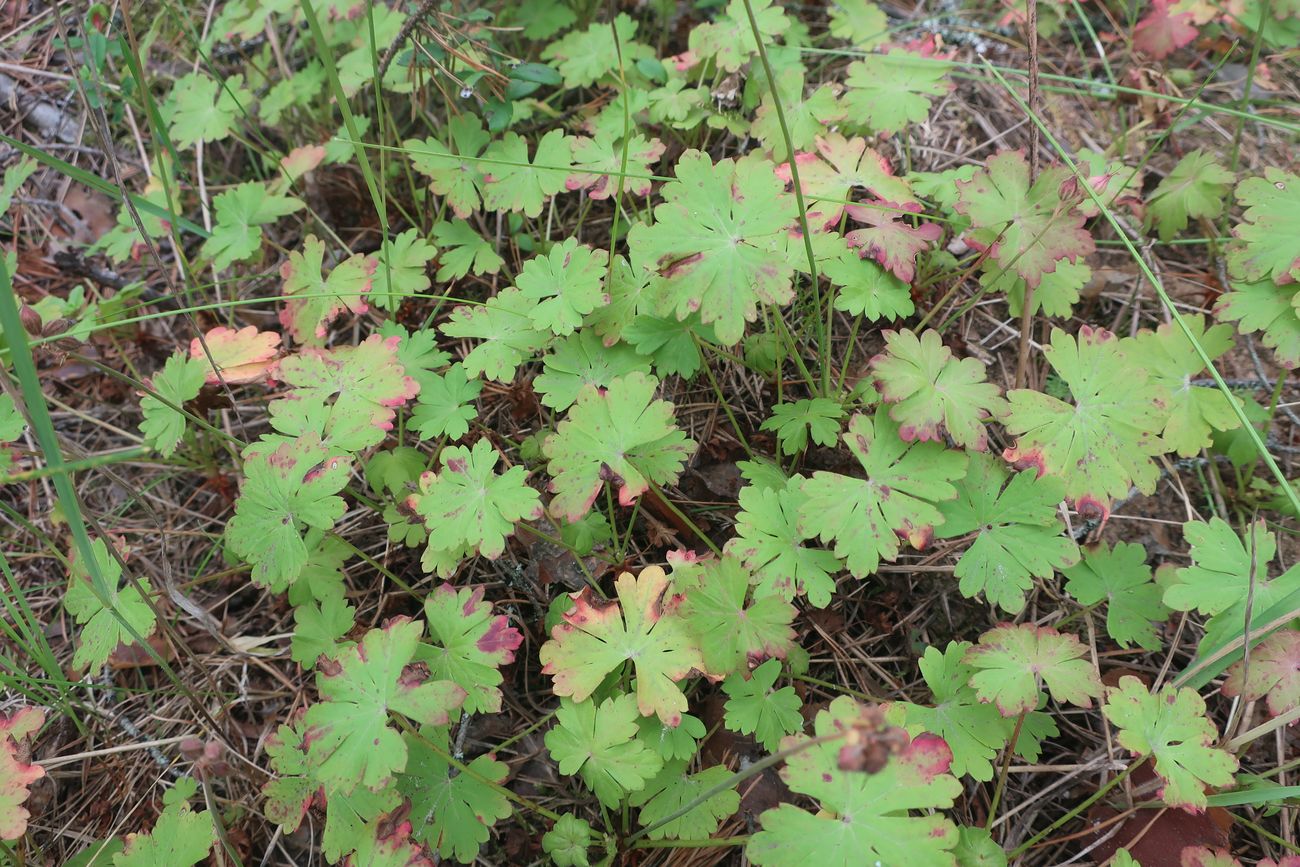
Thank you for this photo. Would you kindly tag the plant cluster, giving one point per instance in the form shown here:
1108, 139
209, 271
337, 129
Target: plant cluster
575, 248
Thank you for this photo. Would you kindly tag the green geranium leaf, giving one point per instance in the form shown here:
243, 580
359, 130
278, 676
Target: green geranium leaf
1012, 663
600, 743
1020, 533
105, 623
1171, 727
930, 391
715, 246
351, 741
755, 707
730, 629
864, 517
770, 543
1121, 578
620, 434
180, 380
456, 808
863, 817
1195, 412
446, 404
317, 629
238, 217
793, 422
1195, 189
672, 789
470, 505
286, 490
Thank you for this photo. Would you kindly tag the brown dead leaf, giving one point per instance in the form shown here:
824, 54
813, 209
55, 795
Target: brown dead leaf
1163, 842
91, 214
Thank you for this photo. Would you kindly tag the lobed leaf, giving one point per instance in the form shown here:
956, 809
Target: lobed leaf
1022, 226
313, 300
1020, 534
620, 434
928, 388
1272, 672
865, 517
1013, 662
16, 772
349, 740
1102, 443
107, 622
714, 247
644, 627
863, 817
1171, 727
1120, 577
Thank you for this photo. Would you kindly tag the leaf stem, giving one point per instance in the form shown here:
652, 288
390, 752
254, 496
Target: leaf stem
1088, 802
798, 196
1265, 10
734, 780
465, 769
1002, 773
672, 507
710, 843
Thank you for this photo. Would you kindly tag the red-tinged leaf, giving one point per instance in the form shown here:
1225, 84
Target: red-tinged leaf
867, 517
892, 240
1163, 31
1171, 727
301, 160
601, 170
831, 177
1273, 671
1024, 227
888, 817
930, 391
350, 741
245, 355
288, 490
1102, 443
468, 644
1204, 856
1014, 662
347, 395
17, 774
314, 300
389, 845
620, 434
643, 627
